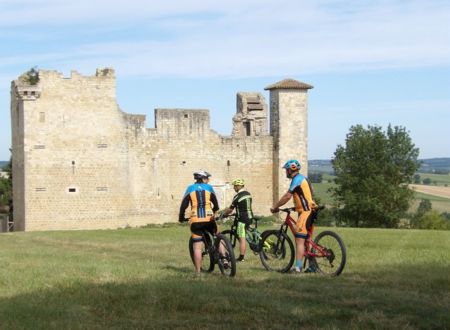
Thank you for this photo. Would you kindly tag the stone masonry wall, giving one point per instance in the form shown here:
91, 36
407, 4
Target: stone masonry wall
82, 163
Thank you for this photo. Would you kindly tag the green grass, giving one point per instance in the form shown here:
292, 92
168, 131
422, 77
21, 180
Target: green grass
143, 279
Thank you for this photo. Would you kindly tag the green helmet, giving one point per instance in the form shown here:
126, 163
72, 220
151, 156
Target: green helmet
238, 182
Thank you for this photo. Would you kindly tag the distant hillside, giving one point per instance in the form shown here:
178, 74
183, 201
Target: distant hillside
320, 166
3, 163
431, 165
435, 165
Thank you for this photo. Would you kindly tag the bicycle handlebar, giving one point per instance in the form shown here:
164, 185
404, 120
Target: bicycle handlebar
290, 209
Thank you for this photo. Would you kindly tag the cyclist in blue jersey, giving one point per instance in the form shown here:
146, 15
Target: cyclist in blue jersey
203, 201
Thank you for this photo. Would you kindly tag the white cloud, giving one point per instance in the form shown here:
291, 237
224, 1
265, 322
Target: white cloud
230, 39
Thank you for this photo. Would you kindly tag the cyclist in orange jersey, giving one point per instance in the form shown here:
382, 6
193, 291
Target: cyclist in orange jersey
301, 191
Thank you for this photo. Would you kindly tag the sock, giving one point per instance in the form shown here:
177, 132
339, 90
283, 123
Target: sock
298, 265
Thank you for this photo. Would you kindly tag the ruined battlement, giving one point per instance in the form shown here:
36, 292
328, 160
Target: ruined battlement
80, 162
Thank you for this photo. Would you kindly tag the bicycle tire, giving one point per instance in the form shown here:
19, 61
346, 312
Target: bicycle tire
231, 235
336, 254
227, 260
278, 259
207, 264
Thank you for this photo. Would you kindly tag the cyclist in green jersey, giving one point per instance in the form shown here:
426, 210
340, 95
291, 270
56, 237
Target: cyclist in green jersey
242, 203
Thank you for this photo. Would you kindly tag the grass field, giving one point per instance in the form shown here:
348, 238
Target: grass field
143, 279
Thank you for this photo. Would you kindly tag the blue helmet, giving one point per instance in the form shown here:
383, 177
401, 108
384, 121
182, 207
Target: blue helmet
292, 164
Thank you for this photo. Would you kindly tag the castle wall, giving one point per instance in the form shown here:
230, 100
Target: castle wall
79, 162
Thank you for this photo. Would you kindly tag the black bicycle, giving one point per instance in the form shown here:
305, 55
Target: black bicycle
216, 249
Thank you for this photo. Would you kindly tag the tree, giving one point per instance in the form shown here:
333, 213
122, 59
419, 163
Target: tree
6, 187
315, 177
424, 207
427, 181
417, 179
372, 171
432, 220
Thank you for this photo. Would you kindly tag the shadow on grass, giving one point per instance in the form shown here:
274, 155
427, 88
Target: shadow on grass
178, 299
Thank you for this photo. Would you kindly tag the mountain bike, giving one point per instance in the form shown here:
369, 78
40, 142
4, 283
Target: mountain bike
326, 254
252, 235
216, 249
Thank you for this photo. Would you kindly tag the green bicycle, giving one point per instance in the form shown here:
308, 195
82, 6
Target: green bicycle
252, 236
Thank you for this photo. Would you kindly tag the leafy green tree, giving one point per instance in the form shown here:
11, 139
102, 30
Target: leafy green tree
427, 181
373, 170
315, 177
417, 179
424, 207
6, 187
432, 220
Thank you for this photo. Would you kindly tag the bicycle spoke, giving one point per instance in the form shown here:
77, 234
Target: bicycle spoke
226, 259
330, 254
277, 252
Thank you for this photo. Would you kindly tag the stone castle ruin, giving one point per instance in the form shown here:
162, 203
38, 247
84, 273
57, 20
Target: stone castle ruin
80, 162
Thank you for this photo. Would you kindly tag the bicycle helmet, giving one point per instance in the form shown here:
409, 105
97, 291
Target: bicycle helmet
238, 182
200, 174
292, 164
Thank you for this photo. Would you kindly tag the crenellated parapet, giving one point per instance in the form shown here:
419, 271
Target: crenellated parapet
28, 92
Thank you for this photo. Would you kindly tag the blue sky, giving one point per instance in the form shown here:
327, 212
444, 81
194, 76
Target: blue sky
370, 62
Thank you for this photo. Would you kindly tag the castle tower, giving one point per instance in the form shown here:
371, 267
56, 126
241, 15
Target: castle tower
289, 129
251, 115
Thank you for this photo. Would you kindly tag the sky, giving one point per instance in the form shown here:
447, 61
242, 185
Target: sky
371, 62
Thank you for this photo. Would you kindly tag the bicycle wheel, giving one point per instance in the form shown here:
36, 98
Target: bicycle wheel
207, 264
226, 259
277, 251
330, 255
234, 240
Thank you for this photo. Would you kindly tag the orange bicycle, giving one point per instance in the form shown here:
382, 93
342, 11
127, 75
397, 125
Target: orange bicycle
326, 254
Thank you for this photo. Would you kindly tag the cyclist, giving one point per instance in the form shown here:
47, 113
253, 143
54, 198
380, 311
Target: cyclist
203, 201
300, 189
242, 202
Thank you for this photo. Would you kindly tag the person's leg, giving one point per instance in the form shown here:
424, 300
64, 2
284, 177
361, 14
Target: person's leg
197, 256
300, 237
300, 251
196, 234
242, 241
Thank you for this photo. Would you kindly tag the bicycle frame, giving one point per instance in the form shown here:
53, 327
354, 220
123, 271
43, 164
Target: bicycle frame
309, 243
254, 246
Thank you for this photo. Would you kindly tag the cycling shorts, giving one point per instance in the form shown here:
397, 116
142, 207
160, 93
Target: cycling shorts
241, 229
304, 222
197, 229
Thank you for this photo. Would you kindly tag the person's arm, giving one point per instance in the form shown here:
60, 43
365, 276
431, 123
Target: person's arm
184, 205
215, 202
283, 200
227, 211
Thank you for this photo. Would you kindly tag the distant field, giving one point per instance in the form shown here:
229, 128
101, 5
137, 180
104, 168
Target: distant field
438, 179
142, 279
439, 203
439, 191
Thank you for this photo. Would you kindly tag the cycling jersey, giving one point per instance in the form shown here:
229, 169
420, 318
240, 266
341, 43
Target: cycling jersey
242, 202
301, 190
200, 196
